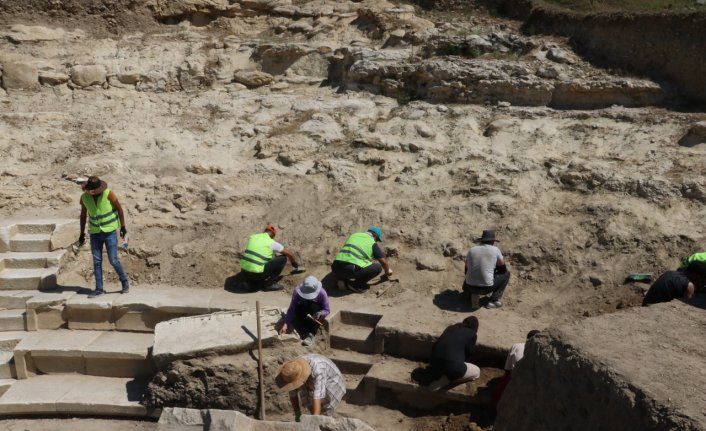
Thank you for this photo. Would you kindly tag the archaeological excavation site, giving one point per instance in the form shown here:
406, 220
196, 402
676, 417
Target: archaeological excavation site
243, 160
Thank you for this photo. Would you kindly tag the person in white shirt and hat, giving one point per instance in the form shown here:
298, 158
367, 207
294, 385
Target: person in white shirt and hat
307, 310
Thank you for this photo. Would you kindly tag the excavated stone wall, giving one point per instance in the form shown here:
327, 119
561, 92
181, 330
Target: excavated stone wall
636, 370
662, 46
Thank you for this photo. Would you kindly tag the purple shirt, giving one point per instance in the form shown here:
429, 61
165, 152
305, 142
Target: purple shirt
297, 301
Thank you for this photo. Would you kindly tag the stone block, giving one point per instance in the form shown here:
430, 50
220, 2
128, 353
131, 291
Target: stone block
225, 333
20, 76
48, 77
64, 235
182, 416
85, 76
91, 313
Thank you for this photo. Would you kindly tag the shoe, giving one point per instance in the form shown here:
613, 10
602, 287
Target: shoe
96, 293
341, 284
273, 287
438, 384
309, 340
494, 304
125, 289
354, 288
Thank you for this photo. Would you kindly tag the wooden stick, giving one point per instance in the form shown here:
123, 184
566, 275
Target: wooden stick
259, 363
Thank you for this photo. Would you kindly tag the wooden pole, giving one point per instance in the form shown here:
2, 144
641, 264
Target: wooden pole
259, 363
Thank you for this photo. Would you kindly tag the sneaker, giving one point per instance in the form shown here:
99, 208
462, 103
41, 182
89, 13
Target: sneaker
494, 304
125, 289
438, 384
354, 288
273, 287
341, 284
309, 341
95, 293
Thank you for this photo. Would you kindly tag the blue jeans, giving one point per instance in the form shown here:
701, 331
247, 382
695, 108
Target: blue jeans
111, 245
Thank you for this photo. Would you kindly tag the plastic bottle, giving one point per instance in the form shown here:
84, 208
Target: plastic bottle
126, 242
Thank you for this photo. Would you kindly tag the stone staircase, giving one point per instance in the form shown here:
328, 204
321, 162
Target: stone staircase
374, 376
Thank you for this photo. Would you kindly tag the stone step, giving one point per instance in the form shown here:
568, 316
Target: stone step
7, 365
12, 320
75, 395
31, 242
353, 337
36, 278
5, 384
96, 353
15, 298
354, 366
20, 260
31, 228
394, 388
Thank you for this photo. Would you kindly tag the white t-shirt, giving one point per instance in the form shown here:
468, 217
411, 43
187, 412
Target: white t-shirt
276, 247
517, 351
481, 262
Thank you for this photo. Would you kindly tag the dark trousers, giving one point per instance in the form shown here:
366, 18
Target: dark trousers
273, 268
302, 324
359, 276
500, 282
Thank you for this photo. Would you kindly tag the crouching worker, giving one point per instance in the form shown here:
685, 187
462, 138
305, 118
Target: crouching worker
360, 260
677, 284
450, 356
314, 382
261, 265
307, 310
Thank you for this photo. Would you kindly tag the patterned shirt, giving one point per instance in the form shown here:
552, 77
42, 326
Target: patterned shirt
326, 383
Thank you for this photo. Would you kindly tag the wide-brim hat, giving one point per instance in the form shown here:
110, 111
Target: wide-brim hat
488, 235
310, 288
96, 187
293, 374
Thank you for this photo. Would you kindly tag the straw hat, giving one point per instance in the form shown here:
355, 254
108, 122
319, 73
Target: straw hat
293, 374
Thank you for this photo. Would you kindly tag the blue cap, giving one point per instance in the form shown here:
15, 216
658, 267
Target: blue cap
377, 231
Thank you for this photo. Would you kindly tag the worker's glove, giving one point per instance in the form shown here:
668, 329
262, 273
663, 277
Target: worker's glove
81, 239
297, 416
123, 232
298, 269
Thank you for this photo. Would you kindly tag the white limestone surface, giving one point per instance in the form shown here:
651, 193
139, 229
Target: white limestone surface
224, 332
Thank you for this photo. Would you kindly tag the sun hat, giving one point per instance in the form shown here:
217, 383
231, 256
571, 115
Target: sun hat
94, 186
293, 374
488, 235
271, 228
377, 231
310, 288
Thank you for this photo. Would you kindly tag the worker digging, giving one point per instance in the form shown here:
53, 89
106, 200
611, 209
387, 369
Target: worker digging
264, 260
360, 260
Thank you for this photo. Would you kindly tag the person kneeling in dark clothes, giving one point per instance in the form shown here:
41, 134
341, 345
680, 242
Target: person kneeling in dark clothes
307, 310
677, 284
450, 356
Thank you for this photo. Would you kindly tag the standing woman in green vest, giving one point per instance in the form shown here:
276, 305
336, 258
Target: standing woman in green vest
105, 217
360, 260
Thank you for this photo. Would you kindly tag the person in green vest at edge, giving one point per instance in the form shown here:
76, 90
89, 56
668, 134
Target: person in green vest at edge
260, 265
360, 260
696, 257
105, 217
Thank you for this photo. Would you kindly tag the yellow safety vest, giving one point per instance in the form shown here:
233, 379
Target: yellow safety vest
257, 253
357, 250
102, 217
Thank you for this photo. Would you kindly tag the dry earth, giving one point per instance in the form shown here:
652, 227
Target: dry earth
212, 118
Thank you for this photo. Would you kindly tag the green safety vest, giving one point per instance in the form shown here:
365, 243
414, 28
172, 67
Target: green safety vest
357, 250
696, 257
102, 217
257, 253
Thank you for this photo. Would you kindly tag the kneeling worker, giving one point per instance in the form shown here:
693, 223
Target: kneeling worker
450, 355
308, 308
259, 264
314, 379
355, 265
677, 284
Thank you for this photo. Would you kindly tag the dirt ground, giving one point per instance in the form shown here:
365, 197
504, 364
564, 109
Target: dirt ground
579, 198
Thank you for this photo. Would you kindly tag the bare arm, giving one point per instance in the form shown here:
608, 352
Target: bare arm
82, 219
385, 266
117, 207
290, 256
689, 292
316, 407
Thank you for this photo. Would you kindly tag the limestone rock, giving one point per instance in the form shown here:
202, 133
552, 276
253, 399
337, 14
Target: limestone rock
430, 262
52, 78
327, 423
252, 78
34, 33
20, 76
85, 76
322, 126
424, 131
695, 136
496, 126
558, 55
